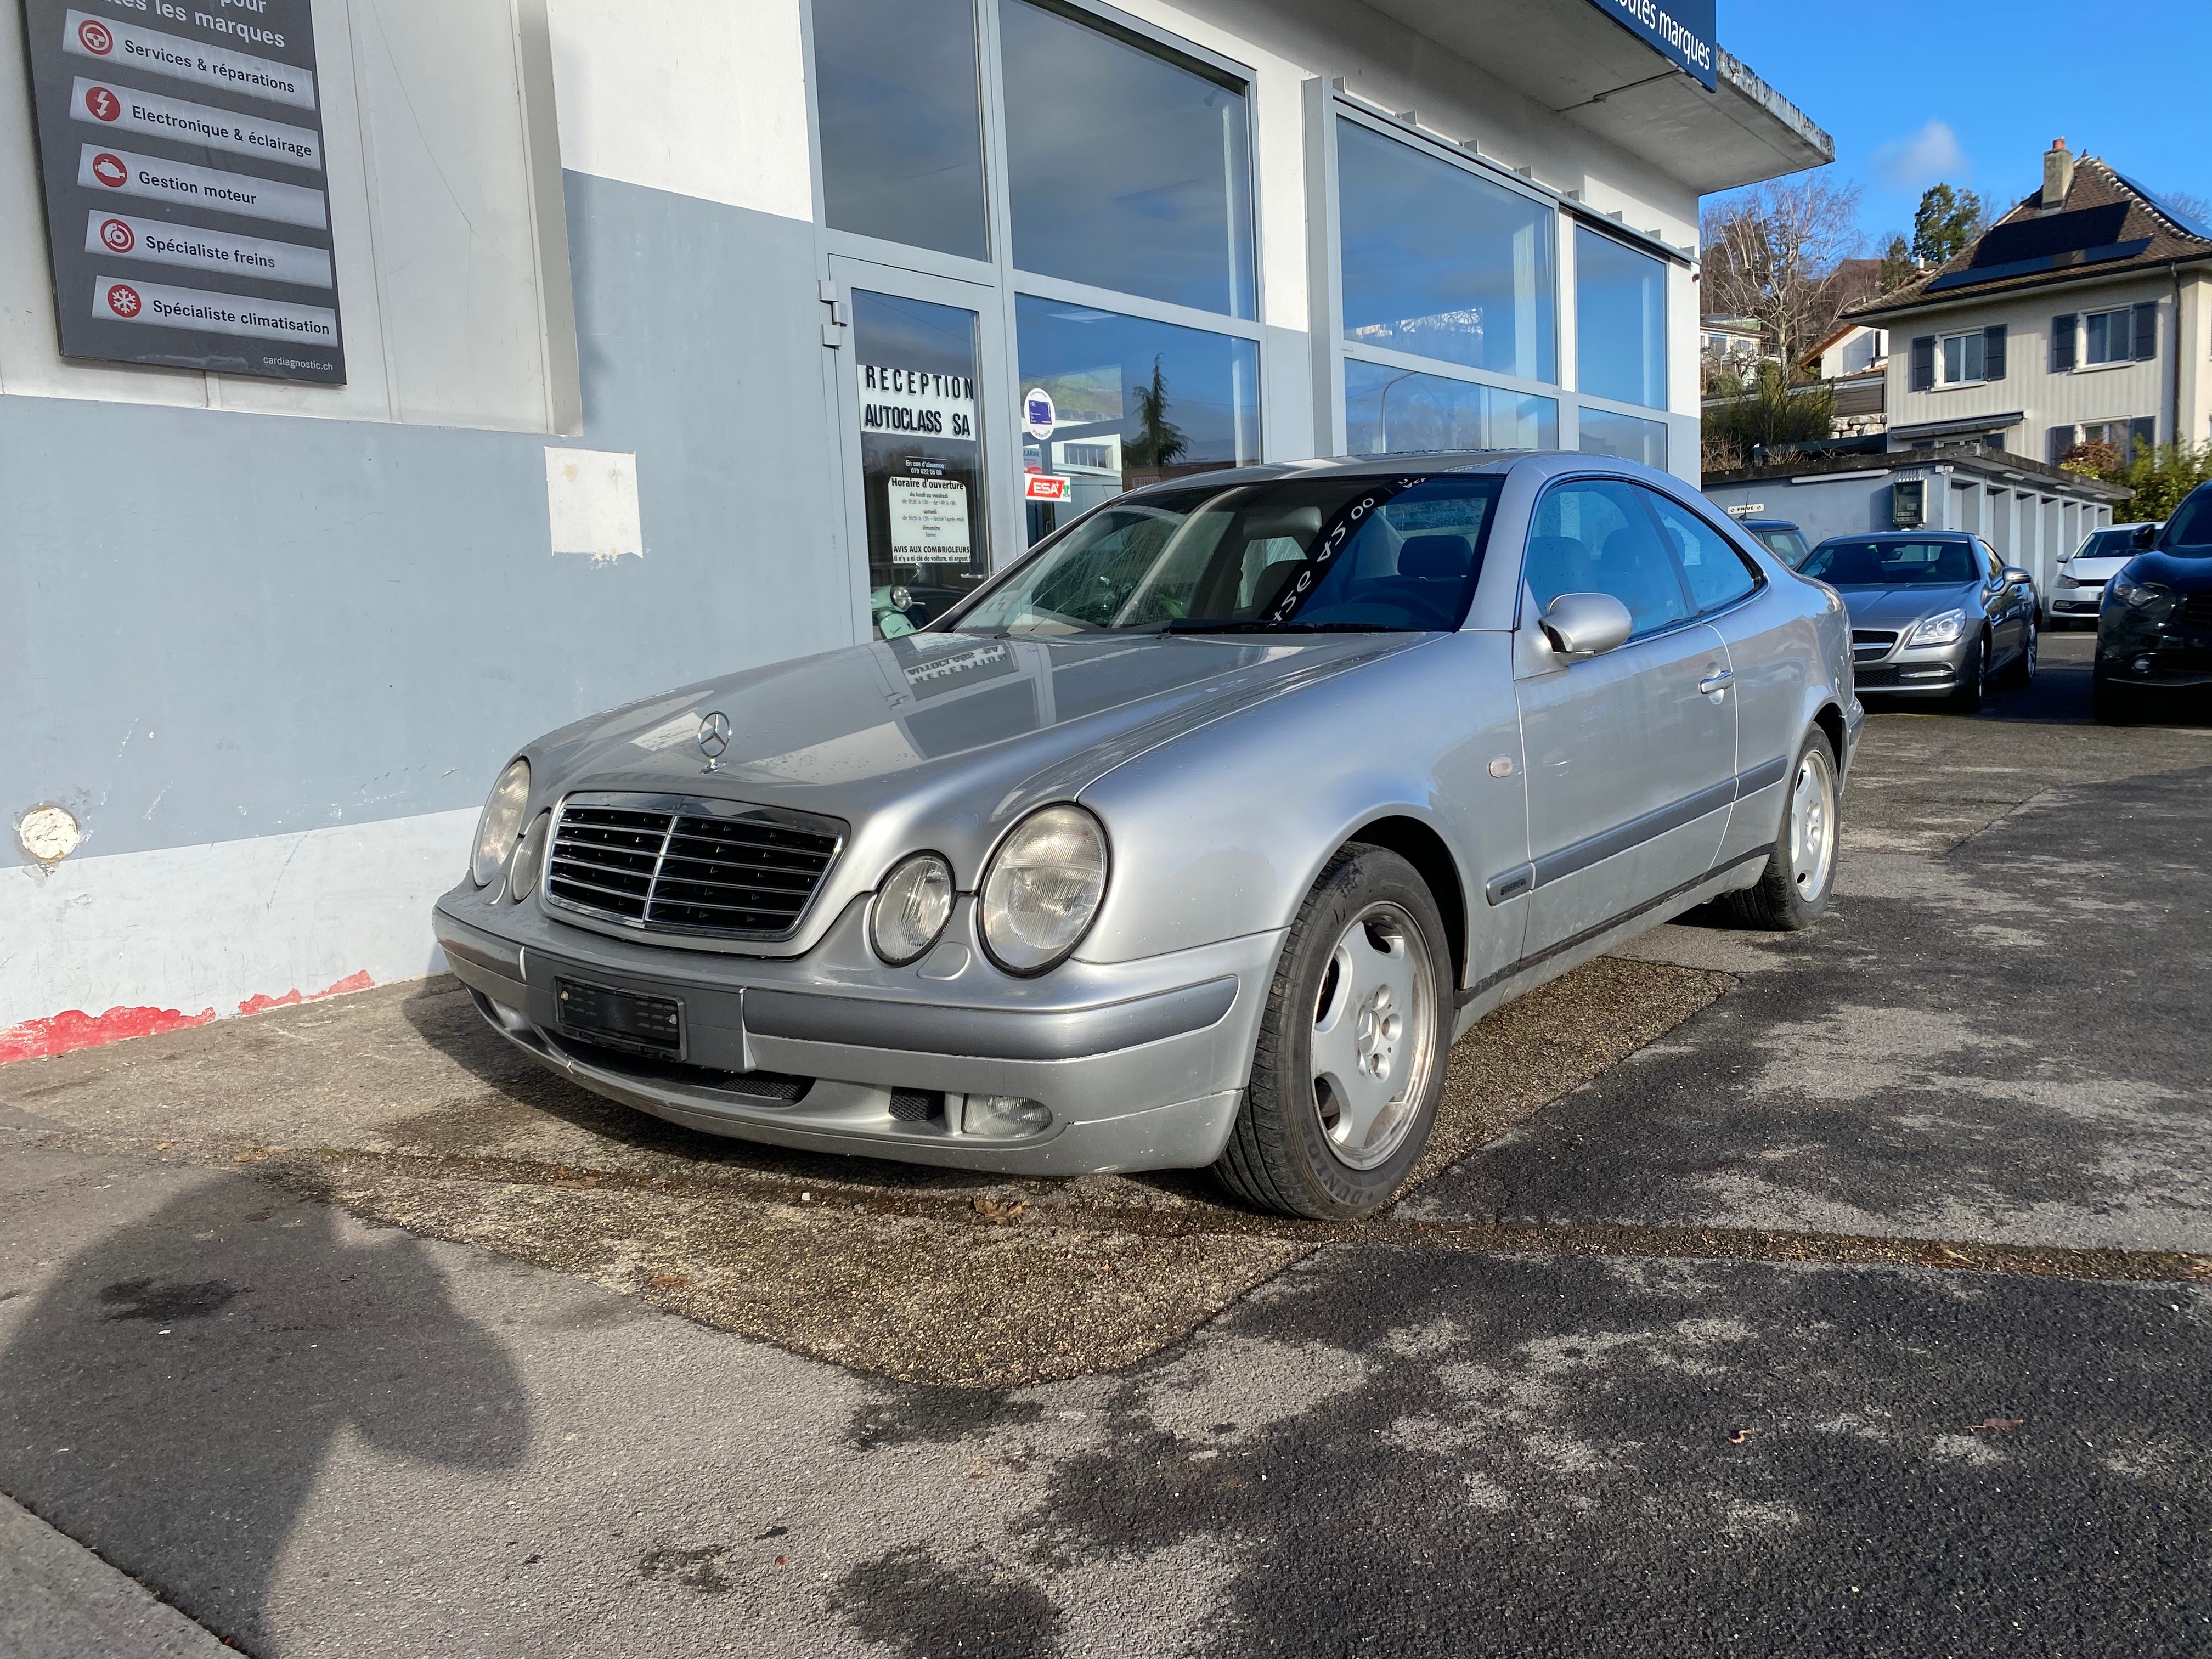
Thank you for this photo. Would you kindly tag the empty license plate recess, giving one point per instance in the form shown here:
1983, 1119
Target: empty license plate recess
619, 1019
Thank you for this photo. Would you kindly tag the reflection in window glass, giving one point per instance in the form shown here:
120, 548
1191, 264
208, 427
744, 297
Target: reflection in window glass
922, 456
1126, 171
1396, 411
1621, 321
1596, 537
1718, 574
1632, 440
902, 135
1133, 402
1440, 263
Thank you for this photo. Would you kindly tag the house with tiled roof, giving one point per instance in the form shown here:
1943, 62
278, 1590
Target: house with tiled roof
2084, 313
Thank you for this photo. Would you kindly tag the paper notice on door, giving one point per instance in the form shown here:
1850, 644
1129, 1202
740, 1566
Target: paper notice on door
929, 521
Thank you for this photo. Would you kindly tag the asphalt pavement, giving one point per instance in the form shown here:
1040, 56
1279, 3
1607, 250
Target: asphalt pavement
1848, 1293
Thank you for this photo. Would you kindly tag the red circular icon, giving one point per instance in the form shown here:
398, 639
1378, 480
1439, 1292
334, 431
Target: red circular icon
103, 104
110, 171
123, 299
117, 236
97, 40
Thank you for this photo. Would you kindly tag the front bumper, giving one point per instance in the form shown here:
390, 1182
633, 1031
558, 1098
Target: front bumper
2170, 652
1140, 1064
1918, 671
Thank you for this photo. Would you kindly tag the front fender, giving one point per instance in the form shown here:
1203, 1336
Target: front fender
1223, 833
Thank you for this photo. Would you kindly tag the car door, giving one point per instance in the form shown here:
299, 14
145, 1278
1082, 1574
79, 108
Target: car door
1631, 754
1769, 645
2001, 604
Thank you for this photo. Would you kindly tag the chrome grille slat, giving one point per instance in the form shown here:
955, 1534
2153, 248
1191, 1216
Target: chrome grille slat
665, 866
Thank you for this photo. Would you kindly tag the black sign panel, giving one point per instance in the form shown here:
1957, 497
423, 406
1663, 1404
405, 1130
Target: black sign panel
187, 204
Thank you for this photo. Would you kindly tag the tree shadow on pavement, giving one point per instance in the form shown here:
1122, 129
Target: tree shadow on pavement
172, 1397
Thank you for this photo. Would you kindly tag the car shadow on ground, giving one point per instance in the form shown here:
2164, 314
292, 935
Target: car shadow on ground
175, 1390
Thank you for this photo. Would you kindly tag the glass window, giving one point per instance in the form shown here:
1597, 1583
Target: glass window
1287, 555
2111, 337
1593, 537
1621, 321
2190, 526
1843, 562
1718, 575
1962, 358
1126, 171
901, 130
1398, 412
922, 456
1786, 545
1440, 263
1127, 401
1604, 433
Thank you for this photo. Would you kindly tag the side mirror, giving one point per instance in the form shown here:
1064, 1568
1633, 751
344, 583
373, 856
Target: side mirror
2015, 577
1584, 624
2145, 534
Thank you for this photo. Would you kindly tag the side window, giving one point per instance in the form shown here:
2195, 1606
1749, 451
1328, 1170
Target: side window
1718, 575
1593, 537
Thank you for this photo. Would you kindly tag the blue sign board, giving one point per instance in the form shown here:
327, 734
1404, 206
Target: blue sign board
1681, 31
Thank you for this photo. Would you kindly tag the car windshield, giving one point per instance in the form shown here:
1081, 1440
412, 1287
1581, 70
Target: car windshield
1845, 562
2189, 531
2108, 545
1389, 553
1786, 545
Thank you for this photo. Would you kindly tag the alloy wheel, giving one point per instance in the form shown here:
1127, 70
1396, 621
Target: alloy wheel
1813, 823
1374, 1036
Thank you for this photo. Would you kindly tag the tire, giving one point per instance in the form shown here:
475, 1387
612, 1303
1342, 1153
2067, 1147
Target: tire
1973, 680
2019, 673
1361, 1001
1799, 877
2113, 705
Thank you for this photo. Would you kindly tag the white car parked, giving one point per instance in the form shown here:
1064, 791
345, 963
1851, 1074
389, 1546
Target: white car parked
2080, 587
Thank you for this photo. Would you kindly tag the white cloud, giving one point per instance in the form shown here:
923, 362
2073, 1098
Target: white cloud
1916, 162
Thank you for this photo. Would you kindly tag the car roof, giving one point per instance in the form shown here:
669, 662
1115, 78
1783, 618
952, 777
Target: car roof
1766, 524
1904, 536
1425, 461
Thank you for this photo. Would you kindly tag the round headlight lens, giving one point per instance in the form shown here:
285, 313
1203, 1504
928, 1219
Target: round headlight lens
911, 908
502, 821
1043, 888
528, 857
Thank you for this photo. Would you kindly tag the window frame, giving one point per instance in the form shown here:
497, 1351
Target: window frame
2126, 314
1943, 382
995, 283
1692, 616
1758, 580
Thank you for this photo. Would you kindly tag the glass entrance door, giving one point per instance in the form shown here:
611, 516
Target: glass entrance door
917, 406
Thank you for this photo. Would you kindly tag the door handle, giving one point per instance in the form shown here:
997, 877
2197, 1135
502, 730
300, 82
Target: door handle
1714, 684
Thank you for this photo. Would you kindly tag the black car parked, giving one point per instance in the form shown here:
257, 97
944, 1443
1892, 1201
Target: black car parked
2155, 628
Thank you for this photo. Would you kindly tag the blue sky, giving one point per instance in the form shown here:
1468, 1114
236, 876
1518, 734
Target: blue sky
1929, 89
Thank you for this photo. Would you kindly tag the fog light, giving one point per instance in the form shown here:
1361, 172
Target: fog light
2141, 665
1002, 1117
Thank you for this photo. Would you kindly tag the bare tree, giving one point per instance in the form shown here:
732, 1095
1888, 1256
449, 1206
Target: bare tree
1771, 253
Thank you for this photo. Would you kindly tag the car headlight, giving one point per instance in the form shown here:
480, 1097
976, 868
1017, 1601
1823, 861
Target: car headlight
911, 908
1042, 888
1942, 628
502, 821
2139, 596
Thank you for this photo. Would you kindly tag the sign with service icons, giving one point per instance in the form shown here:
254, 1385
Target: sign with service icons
181, 147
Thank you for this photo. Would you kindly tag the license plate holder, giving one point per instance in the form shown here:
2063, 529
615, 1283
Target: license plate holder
615, 1018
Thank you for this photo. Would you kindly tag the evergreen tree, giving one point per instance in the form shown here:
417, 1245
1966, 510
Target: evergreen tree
1944, 223
1159, 442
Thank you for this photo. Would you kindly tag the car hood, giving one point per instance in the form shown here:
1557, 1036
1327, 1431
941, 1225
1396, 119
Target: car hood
1899, 607
2091, 570
976, 725
2168, 570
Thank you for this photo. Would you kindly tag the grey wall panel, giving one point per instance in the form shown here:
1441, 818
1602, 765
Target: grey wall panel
216, 625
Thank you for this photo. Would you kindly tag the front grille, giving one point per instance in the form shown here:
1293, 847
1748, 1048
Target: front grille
2196, 612
689, 867
1870, 642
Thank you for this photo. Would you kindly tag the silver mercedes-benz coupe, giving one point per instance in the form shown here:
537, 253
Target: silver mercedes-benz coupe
1193, 837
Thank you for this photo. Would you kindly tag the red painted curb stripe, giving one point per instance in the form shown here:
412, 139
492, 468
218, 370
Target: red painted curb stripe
72, 1029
